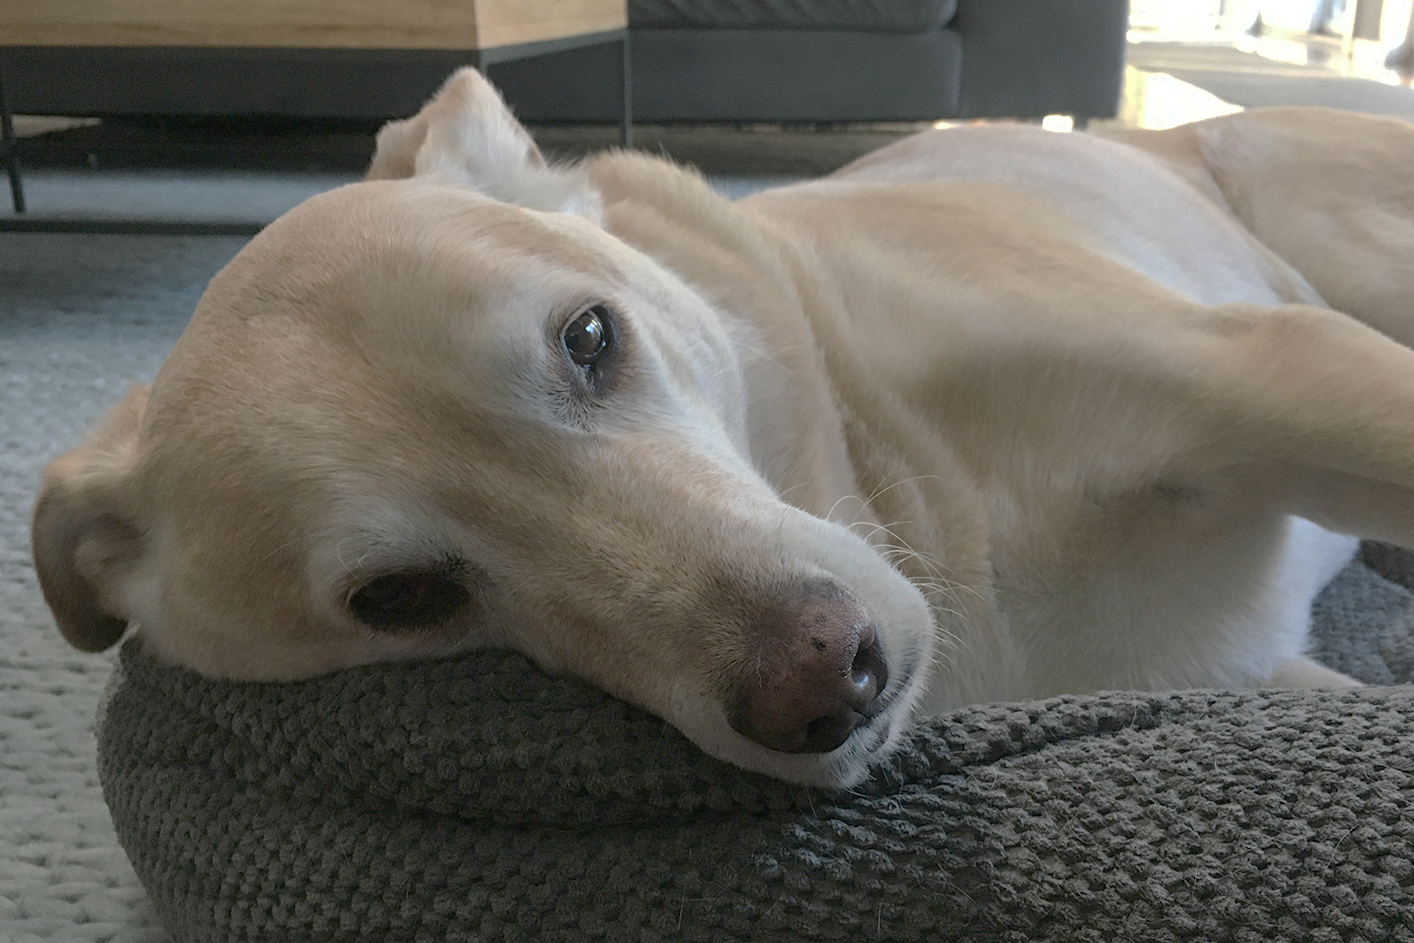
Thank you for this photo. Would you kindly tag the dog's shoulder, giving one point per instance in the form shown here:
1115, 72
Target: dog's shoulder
646, 197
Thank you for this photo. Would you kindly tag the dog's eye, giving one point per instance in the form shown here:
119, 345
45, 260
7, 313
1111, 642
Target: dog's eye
586, 338
408, 600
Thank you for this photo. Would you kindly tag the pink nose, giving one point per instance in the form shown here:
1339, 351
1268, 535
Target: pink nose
819, 676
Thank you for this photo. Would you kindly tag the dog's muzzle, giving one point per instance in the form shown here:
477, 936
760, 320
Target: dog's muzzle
820, 673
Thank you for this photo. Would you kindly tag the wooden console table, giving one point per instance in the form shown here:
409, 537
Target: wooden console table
138, 56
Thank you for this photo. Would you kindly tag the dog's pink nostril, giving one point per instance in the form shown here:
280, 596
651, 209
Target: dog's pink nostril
821, 673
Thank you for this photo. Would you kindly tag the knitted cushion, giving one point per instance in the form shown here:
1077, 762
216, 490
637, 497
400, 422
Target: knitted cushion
478, 799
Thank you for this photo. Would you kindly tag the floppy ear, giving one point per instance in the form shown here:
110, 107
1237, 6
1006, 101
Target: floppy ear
85, 545
466, 136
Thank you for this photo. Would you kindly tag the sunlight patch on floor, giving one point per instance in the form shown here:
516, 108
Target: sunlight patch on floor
1156, 100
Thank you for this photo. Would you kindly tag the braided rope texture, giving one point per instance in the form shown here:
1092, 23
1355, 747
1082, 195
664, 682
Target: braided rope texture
478, 799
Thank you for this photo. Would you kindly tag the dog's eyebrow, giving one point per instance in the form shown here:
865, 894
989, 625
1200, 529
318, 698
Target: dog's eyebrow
513, 228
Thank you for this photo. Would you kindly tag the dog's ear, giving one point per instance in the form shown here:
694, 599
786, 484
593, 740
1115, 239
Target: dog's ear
86, 546
468, 137
465, 133
395, 151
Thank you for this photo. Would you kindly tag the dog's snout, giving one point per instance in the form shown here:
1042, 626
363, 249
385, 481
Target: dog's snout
820, 675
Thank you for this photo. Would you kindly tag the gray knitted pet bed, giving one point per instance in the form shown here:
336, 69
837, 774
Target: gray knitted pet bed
478, 799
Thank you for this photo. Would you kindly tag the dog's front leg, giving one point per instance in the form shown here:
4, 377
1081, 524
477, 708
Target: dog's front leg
1143, 481
1318, 411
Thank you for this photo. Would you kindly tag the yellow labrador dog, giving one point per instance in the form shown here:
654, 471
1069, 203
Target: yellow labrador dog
991, 413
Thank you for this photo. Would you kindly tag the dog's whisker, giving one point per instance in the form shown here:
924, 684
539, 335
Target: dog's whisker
883, 489
830, 515
941, 593
934, 566
785, 493
936, 569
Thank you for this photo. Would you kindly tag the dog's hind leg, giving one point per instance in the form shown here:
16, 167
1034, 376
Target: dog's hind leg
1330, 192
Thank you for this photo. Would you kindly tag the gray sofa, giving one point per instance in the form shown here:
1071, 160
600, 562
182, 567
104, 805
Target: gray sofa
693, 61
841, 60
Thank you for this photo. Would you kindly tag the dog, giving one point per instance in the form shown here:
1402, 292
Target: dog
991, 413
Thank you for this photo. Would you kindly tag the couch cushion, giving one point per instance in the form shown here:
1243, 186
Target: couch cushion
747, 75
870, 16
1027, 58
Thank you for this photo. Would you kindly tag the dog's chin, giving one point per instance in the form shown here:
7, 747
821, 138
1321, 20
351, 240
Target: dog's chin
847, 765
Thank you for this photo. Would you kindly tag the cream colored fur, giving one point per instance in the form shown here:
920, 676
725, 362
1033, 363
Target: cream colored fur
1059, 411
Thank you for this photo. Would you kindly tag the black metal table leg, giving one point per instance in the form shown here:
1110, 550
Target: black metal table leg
9, 152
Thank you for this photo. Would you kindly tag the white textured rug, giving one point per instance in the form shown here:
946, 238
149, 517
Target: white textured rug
81, 317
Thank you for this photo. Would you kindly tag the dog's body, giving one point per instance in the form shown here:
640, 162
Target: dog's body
1046, 413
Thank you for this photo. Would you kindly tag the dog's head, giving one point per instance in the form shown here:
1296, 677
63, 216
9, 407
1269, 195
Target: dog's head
410, 419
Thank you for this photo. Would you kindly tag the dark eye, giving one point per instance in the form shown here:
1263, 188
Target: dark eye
412, 599
586, 338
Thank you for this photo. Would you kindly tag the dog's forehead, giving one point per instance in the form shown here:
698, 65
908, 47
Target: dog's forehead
393, 270
364, 302
346, 250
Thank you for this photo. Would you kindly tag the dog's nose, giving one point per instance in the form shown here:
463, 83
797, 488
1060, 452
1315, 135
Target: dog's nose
820, 673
